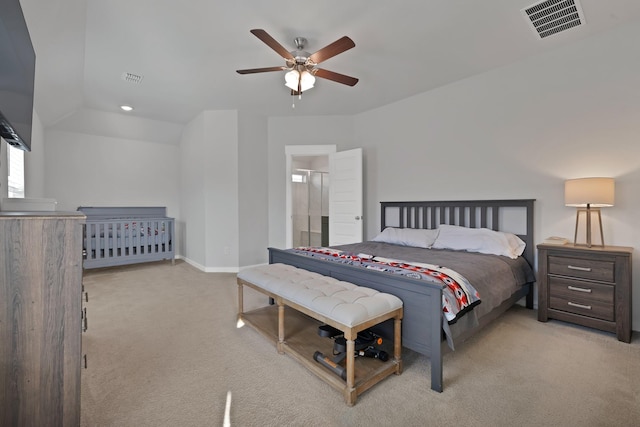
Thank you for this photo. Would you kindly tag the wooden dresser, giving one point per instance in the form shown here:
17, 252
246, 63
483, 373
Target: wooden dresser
586, 286
40, 318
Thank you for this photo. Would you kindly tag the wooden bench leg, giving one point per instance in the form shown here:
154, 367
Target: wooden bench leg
240, 300
397, 343
280, 345
350, 389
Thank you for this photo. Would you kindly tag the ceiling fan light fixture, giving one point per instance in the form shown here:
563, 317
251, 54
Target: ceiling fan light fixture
301, 67
293, 77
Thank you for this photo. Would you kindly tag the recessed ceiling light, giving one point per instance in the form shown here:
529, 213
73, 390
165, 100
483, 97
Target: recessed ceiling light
126, 107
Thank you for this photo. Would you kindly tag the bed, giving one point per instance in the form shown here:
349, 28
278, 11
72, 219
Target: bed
126, 235
425, 327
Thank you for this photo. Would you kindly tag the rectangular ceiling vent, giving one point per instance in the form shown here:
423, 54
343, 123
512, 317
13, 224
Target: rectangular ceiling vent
550, 17
132, 78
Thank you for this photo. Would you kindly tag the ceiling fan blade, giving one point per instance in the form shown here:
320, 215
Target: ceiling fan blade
272, 43
259, 70
338, 46
336, 77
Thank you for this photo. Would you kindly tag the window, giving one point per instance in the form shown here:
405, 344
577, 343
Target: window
15, 160
296, 177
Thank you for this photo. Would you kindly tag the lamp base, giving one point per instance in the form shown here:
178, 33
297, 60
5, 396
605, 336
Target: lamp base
588, 211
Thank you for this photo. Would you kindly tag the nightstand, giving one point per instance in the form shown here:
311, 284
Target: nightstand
586, 286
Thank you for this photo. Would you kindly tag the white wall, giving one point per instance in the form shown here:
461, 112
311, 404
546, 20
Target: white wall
253, 190
192, 192
121, 125
519, 132
221, 154
90, 170
209, 190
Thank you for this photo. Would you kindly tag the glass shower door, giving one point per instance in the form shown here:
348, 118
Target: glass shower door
310, 193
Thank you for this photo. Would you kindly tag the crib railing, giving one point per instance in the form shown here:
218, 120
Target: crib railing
109, 242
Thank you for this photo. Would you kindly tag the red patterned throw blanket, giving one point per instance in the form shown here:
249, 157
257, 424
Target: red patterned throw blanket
458, 295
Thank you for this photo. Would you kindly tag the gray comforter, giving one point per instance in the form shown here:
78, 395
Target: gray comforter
496, 278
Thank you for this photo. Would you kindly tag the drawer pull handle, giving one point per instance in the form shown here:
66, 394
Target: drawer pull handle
574, 288
573, 267
573, 304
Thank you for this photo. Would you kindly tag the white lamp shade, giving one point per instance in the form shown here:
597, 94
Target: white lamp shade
291, 79
595, 192
307, 80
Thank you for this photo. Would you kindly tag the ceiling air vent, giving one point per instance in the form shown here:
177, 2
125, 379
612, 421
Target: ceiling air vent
550, 17
132, 78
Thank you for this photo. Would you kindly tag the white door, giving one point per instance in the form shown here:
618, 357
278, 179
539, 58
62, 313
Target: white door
345, 197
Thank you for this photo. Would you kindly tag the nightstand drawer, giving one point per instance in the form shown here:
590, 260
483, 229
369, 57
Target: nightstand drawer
583, 268
586, 298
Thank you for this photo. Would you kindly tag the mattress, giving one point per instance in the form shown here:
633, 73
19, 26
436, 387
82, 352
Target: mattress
495, 277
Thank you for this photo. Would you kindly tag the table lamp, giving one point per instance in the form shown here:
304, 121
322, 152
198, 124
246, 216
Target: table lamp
589, 195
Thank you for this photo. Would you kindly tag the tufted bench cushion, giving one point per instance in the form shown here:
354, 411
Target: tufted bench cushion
339, 304
340, 301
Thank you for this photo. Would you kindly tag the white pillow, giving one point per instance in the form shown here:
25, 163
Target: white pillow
482, 240
516, 244
419, 238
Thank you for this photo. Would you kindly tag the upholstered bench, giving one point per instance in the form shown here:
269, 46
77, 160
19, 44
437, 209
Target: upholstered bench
342, 305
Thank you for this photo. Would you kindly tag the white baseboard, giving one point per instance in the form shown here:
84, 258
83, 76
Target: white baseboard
208, 269
250, 266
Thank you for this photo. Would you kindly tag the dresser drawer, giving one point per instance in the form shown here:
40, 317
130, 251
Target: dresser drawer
579, 297
603, 271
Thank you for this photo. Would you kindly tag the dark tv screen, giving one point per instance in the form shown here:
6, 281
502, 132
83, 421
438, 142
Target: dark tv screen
17, 72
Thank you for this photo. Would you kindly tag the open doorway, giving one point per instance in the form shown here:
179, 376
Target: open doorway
311, 158
310, 200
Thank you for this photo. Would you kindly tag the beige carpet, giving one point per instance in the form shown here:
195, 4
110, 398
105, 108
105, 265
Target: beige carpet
163, 350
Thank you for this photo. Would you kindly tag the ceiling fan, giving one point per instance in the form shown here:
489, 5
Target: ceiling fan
301, 66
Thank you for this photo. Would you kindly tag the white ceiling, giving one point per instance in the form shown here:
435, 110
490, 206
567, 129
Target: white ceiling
187, 51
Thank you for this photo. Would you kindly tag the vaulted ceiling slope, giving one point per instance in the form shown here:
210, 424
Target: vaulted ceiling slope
186, 52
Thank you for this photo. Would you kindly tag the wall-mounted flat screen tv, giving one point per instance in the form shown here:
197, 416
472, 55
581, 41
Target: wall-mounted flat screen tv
17, 72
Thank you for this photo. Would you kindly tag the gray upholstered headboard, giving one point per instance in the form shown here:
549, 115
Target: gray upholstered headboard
515, 216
